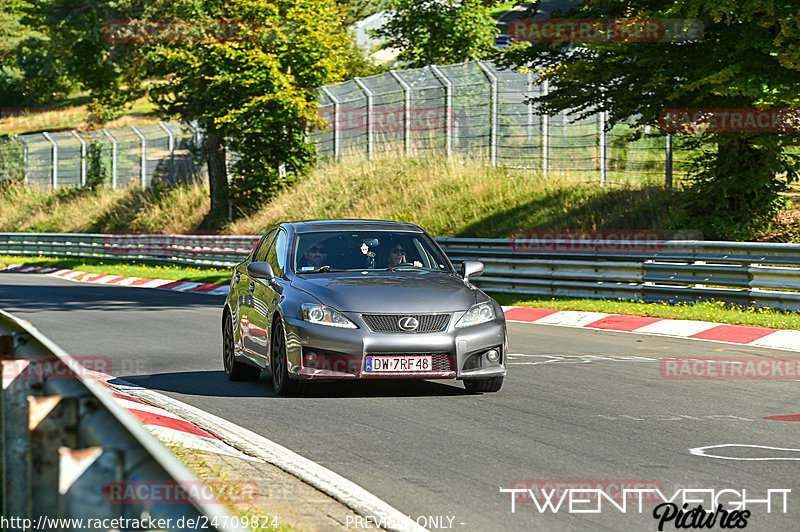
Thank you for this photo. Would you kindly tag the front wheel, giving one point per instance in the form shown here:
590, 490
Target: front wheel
281, 382
235, 371
483, 385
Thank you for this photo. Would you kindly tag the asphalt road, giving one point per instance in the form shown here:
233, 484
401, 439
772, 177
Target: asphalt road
578, 404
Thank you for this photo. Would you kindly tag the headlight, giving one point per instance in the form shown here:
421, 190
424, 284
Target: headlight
480, 313
324, 315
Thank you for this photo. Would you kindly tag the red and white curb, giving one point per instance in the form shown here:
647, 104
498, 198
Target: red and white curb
166, 426
174, 421
98, 278
697, 330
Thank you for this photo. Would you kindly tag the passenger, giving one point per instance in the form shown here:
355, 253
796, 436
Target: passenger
394, 255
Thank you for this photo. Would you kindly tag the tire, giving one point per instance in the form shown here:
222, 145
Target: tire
281, 383
235, 371
483, 385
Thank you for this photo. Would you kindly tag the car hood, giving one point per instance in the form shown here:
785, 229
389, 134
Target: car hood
389, 292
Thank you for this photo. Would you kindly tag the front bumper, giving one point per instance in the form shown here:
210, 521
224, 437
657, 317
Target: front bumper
341, 353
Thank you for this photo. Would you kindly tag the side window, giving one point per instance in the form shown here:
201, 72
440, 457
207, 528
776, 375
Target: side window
277, 254
261, 254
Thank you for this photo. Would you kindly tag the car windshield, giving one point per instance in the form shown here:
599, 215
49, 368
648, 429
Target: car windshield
366, 250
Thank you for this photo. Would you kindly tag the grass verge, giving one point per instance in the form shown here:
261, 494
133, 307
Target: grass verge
450, 198
716, 311
139, 268
225, 491
160, 209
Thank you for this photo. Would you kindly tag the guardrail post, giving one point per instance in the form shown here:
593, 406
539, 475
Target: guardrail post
144, 154
54, 166
368, 93
52, 422
406, 112
17, 385
448, 103
668, 162
337, 140
171, 150
113, 158
24, 156
493, 110
83, 157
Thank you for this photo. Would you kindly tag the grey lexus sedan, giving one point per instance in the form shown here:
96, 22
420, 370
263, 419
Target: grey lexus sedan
351, 299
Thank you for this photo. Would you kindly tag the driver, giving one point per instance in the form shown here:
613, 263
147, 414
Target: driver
315, 256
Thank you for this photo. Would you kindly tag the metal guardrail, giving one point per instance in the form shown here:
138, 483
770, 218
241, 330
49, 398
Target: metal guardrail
200, 250
745, 273
65, 440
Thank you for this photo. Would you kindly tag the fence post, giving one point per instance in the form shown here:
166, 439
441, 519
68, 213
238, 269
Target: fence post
406, 111
529, 90
448, 103
83, 157
545, 134
603, 175
24, 156
668, 162
171, 150
368, 93
493, 118
113, 158
54, 166
335, 126
144, 154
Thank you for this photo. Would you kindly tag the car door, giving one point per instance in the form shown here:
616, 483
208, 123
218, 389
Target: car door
244, 295
267, 295
264, 298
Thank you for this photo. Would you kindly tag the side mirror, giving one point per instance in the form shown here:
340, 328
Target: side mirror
471, 268
261, 270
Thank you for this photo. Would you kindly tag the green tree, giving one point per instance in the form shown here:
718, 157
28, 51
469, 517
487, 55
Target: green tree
748, 56
256, 97
30, 73
440, 31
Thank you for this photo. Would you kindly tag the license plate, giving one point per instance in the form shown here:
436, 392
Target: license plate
397, 364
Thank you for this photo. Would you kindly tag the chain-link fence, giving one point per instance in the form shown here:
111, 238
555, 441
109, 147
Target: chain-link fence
166, 152
474, 110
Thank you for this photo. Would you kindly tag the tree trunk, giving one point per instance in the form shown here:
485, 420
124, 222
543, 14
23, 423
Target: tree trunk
217, 173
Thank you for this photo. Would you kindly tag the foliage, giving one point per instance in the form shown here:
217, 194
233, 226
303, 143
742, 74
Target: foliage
257, 94
30, 71
749, 56
12, 164
440, 31
96, 174
356, 10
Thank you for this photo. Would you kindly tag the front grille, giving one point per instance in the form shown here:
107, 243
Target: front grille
391, 322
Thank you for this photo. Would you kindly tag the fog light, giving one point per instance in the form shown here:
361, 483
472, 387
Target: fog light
311, 359
492, 355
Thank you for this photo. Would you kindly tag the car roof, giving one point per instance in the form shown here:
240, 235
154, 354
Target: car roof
313, 226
